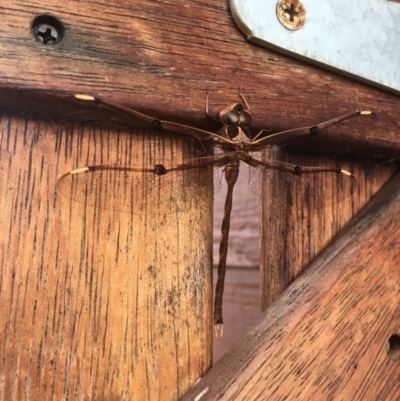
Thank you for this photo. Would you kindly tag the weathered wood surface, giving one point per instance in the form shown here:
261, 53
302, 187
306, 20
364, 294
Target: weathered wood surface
300, 222
161, 56
96, 303
326, 336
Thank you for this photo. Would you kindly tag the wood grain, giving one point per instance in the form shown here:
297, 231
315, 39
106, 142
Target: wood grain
301, 220
326, 336
158, 57
96, 303
241, 307
161, 56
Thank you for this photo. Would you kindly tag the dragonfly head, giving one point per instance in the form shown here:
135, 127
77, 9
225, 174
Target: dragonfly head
235, 117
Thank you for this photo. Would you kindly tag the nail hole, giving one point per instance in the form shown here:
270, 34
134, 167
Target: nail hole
393, 347
47, 29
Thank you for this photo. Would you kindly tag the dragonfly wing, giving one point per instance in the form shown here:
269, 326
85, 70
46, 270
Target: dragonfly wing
218, 160
218, 171
314, 189
74, 111
218, 174
130, 189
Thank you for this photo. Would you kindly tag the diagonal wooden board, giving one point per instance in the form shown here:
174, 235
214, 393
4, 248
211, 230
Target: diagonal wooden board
326, 336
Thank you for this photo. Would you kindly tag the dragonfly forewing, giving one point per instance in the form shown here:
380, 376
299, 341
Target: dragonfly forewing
314, 188
131, 189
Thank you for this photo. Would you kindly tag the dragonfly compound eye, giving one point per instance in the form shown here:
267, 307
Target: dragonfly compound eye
230, 118
245, 119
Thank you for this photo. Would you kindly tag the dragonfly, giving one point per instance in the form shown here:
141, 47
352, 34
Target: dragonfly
232, 144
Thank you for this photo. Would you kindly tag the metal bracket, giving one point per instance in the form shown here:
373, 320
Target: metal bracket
358, 38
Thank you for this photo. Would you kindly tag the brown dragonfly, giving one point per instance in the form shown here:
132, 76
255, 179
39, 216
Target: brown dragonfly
232, 144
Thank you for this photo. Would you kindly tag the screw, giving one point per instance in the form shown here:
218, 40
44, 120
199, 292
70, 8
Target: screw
47, 29
46, 34
291, 14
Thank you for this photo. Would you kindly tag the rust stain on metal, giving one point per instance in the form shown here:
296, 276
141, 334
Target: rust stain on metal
291, 14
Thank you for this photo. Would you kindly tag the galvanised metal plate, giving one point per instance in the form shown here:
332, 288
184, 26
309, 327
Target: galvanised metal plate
360, 38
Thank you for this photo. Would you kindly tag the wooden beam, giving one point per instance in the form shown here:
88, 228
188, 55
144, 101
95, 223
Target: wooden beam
160, 57
332, 333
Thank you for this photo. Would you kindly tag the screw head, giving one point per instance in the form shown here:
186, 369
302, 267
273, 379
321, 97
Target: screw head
47, 29
291, 14
46, 34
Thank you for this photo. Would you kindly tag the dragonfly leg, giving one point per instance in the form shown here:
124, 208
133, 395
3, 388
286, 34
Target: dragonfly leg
244, 101
211, 116
261, 132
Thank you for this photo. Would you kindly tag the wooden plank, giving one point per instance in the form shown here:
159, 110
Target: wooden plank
160, 57
299, 221
99, 303
326, 336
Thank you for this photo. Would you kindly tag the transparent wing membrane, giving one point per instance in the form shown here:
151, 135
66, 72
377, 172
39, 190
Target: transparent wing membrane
313, 188
218, 174
129, 189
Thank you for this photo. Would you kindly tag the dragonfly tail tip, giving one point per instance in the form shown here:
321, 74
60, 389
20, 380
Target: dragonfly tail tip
219, 330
